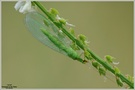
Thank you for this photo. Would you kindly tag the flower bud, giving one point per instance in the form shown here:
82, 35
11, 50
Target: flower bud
95, 64
54, 11
102, 71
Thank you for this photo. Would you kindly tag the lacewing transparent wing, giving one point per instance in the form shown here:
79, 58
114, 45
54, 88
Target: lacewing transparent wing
35, 21
47, 33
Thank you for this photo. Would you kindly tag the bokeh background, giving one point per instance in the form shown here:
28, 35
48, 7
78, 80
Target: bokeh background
27, 63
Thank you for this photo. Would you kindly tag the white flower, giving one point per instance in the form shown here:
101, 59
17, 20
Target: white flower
24, 6
57, 17
60, 31
71, 25
64, 21
116, 63
87, 41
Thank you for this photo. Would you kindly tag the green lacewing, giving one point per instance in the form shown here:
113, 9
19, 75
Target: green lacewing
36, 21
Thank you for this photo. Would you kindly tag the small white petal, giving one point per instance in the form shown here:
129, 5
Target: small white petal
57, 17
24, 6
19, 4
105, 79
60, 31
86, 42
70, 24
116, 63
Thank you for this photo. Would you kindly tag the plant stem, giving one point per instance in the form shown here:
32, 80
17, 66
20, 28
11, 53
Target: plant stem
123, 78
98, 59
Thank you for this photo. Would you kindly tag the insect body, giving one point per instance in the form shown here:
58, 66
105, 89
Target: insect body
47, 33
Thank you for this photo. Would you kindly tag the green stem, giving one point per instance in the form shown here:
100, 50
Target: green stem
123, 78
98, 59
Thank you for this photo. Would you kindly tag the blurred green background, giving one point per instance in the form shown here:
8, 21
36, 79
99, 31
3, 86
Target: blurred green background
27, 63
